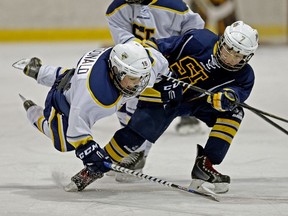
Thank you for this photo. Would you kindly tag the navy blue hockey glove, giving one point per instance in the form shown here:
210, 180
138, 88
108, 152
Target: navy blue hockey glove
171, 93
224, 100
93, 157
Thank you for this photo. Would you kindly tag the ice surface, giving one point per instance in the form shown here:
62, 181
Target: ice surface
32, 171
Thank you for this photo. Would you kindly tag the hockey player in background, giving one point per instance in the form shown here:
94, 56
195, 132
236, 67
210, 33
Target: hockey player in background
103, 80
202, 59
142, 19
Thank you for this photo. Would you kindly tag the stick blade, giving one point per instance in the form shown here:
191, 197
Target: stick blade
71, 187
21, 64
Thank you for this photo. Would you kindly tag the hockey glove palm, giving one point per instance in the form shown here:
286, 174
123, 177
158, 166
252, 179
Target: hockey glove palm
93, 157
224, 100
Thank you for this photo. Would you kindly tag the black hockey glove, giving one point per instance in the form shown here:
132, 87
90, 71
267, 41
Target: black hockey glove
224, 100
93, 157
171, 93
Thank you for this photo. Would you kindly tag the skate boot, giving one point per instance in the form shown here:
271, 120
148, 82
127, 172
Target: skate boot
188, 125
203, 171
27, 103
134, 161
82, 179
30, 67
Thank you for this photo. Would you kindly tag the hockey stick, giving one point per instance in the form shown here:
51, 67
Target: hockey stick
206, 92
209, 195
271, 122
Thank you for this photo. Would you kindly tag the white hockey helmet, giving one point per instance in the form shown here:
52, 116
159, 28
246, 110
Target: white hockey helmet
241, 38
130, 59
134, 1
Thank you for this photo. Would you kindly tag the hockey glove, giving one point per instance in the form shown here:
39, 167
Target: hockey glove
224, 100
171, 93
93, 157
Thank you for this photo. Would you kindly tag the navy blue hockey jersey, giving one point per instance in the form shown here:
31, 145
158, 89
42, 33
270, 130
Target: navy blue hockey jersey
191, 58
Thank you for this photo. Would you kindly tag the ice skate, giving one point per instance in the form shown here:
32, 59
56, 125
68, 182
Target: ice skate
188, 125
134, 161
203, 172
30, 67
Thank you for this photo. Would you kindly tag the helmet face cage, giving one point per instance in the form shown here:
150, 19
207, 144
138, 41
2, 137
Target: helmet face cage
134, 1
223, 46
130, 59
240, 38
118, 76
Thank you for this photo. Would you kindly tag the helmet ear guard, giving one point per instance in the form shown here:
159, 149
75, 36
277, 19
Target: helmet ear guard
241, 38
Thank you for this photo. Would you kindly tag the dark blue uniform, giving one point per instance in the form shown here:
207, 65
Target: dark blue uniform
191, 58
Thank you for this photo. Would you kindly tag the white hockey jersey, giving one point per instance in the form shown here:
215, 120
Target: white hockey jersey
92, 94
159, 19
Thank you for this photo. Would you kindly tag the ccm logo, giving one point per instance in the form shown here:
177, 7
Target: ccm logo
88, 151
170, 87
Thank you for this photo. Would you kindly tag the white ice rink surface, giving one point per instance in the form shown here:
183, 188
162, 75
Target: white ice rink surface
31, 169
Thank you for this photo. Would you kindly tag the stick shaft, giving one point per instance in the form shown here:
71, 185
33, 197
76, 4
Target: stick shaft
206, 92
156, 180
255, 110
271, 122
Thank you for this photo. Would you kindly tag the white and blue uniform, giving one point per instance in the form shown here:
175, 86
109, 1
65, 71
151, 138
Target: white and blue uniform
154, 18
151, 18
70, 112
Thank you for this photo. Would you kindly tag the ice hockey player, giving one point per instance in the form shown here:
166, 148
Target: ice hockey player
201, 59
103, 80
142, 19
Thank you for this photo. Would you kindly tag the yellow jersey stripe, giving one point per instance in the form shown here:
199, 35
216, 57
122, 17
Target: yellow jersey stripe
40, 123
80, 142
149, 99
51, 117
62, 139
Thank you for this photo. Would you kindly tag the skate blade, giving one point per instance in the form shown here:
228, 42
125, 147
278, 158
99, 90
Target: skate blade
221, 188
198, 186
21, 64
71, 187
217, 188
125, 178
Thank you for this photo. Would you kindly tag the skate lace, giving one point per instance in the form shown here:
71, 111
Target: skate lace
207, 165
